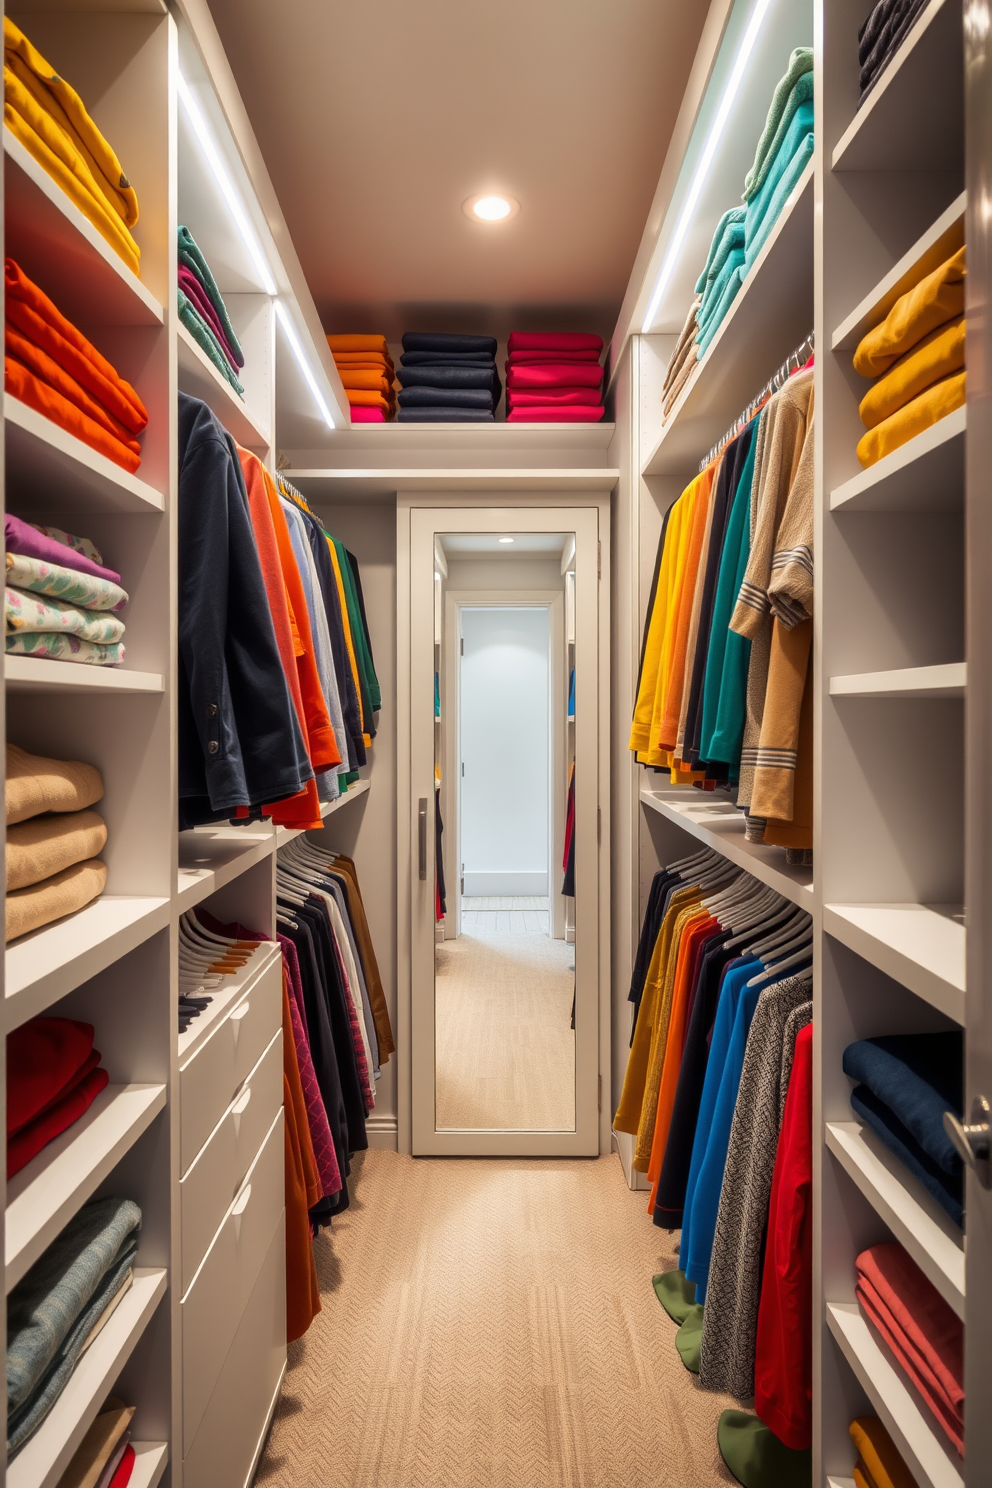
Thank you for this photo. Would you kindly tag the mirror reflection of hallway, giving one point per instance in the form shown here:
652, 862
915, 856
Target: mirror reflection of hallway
504, 969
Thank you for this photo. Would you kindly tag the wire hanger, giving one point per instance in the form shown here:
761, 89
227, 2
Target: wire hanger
792, 363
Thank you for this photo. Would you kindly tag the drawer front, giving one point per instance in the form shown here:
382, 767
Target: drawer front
209, 1082
207, 1191
214, 1305
226, 1446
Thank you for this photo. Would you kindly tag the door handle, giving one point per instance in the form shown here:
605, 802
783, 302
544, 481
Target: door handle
422, 835
974, 1140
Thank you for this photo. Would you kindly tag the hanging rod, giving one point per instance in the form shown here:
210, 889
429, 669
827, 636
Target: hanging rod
792, 363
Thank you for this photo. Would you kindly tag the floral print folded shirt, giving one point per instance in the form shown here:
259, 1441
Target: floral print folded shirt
65, 584
34, 612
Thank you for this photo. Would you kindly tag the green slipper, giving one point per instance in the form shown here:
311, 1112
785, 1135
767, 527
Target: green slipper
676, 1295
757, 1458
689, 1339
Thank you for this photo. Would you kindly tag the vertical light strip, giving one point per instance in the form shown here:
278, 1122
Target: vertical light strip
213, 159
702, 170
305, 368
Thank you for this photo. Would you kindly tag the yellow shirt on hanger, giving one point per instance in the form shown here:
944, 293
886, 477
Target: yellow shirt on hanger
640, 731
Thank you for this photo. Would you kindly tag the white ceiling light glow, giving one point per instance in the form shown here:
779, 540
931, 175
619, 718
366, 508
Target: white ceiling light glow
490, 208
706, 160
304, 365
506, 539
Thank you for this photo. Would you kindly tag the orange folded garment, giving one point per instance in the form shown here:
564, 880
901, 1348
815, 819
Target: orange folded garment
105, 381
42, 365
364, 398
928, 408
358, 343
22, 384
363, 359
936, 356
938, 298
83, 369
372, 381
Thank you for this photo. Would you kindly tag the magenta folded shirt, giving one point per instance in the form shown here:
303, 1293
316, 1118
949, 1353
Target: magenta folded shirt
555, 375
362, 415
560, 397
21, 537
554, 341
194, 291
556, 413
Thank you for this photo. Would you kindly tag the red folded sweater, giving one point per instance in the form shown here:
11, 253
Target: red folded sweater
554, 341
559, 397
555, 375
554, 413
42, 1057
56, 1118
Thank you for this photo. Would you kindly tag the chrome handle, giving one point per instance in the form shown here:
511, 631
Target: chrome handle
422, 834
974, 1140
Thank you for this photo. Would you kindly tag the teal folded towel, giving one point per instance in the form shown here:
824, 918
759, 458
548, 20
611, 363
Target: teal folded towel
801, 93
731, 289
800, 65
190, 255
727, 222
793, 156
206, 340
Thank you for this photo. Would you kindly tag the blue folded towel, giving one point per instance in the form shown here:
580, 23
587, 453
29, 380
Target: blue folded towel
919, 1076
946, 1188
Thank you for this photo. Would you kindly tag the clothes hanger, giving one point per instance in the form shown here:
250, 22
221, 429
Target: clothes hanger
775, 973
796, 920
756, 911
762, 925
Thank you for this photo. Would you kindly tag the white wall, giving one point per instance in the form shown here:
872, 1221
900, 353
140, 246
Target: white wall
505, 747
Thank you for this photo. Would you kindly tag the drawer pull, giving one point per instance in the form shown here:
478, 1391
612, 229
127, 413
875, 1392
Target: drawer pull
242, 1105
239, 1012
242, 1203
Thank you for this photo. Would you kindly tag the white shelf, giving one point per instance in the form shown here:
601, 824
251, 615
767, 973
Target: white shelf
921, 1444
56, 245
721, 826
916, 1221
47, 964
48, 469
913, 119
150, 1461
209, 859
41, 1462
380, 485
327, 808
769, 318
920, 945
200, 379
42, 674
943, 238
946, 681
925, 474
835, 1482
45, 1194
409, 445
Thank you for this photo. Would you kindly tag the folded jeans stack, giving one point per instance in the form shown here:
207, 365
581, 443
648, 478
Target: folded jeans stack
53, 1077
906, 1083
60, 601
104, 1457
917, 356
448, 379
50, 120
924, 1335
57, 1309
554, 378
50, 366
880, 37
879, 1464
204, 314
367, 372
52, 839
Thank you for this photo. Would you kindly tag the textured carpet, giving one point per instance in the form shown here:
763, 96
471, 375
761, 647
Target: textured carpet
504, 1046
490, 1323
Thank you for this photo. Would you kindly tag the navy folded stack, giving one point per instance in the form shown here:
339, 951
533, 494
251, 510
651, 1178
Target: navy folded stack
447, 378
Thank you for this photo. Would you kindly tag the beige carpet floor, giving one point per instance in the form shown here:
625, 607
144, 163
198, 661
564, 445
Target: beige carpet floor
490, 1323
504, 1047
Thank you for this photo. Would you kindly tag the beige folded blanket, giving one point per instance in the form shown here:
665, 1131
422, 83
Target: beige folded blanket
29, 909
97, 1446
46, 844
36, 784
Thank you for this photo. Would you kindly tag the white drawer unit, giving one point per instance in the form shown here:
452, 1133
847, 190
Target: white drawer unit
214, 1305
229, 1441
220, 1060
215, 1176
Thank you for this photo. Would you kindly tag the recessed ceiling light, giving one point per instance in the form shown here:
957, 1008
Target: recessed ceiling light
506, 539
490, 208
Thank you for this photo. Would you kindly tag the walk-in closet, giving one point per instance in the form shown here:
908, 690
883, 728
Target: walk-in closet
497, 744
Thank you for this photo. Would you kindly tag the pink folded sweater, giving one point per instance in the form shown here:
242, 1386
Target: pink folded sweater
569, 341
555, 375
360, 415
560, 397
555, 413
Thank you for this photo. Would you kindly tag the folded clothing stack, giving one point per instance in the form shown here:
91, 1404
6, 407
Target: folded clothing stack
683, 359
366, 370
52, 839
60, 601
53, 1077
554, 379
51, 366
924, 1334
906, 1083
59, 1307
917, 355
881, 36
723, 274
51, 122
879, 1464
104, 1457
204, 314
448, 379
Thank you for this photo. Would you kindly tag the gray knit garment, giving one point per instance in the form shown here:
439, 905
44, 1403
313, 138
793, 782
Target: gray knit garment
733, 1290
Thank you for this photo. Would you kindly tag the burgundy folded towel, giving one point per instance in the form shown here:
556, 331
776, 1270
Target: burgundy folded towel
555, 413
194, 290
554, 341
23, 538
57, 1118
555, 375
43, 1055
559, 397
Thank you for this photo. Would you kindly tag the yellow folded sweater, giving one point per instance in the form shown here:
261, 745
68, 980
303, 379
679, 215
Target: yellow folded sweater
938, 298
51, 122
879, 1455
929, 407
936, 356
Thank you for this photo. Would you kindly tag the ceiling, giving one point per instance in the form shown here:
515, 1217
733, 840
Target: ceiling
377, 121
488, 544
